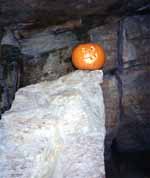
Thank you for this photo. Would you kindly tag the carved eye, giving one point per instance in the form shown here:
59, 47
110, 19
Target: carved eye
92, 48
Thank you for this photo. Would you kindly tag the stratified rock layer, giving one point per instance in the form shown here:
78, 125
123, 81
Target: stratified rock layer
55, 129
36, 12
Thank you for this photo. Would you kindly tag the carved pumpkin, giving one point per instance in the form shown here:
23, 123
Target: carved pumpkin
88, 56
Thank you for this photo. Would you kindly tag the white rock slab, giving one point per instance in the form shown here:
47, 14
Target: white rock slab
55, 129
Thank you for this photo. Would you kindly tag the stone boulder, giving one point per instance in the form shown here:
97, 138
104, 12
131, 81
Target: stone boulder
55, 129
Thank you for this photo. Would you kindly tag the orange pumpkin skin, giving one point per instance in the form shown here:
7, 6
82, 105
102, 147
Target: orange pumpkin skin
88, 56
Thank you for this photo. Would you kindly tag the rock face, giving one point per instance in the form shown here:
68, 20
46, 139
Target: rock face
126, 147
47, 56
111, 100
135, 99
55, 129
126, 74
42, 42
47, 12
136, 40
40, 56
107, 35
10, 71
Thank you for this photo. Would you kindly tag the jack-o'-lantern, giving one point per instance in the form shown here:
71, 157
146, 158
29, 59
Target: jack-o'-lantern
88, 56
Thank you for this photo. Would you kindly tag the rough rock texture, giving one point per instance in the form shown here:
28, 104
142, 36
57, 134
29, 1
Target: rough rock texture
47, 67
36, 12
45, 41
55, 129
126, 77
126, 145
111, 100
47, 56
136, 95
106, 36
39, 56
134, 133
10, 71
136, 40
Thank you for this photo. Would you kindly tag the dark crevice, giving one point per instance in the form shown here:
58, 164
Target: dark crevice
119, 62
5, 92
143, 10
136, 65
111, 169
10, 74
111, 71
120, 92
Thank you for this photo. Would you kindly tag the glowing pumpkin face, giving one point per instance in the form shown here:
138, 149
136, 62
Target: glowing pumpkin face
88, 56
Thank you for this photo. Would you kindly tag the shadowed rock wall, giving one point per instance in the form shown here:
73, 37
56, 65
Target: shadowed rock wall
126, 142
38, 13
